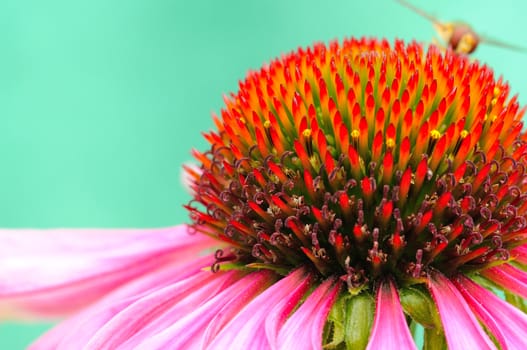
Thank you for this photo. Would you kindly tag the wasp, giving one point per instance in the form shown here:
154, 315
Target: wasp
458, 36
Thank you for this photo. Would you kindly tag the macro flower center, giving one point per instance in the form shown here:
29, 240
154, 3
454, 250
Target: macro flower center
363, 160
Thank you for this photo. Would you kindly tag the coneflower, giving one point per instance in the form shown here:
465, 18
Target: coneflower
352, 195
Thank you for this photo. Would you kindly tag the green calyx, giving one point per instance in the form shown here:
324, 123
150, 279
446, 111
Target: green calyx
350, 322
351, 319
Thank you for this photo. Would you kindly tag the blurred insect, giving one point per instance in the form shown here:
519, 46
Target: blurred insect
459, 36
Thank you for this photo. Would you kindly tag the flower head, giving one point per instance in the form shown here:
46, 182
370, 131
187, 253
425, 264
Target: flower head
353, 193
379, 166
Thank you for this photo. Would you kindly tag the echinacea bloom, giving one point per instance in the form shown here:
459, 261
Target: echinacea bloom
353, 195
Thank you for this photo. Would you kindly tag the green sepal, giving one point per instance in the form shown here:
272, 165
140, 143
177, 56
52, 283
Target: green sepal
517, 301
360, 311
350, 322
434, 340
334, 329
484, 282
418, 304
518, 265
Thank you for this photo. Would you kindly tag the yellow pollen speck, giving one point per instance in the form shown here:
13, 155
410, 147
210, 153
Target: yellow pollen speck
355, 134
267, 124
496, 91
494, 101
463, 134
306, 133
390, 143
492, 118
435, 134
242, 119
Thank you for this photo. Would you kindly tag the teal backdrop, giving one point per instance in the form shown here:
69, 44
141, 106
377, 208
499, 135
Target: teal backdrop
101, 101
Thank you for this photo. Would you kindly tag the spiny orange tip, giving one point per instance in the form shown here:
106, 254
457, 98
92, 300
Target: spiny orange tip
366, 156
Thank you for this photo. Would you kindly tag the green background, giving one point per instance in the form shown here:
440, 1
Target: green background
102, 100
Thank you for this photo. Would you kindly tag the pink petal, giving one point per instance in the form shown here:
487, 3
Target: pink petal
55, 272
508, 277
303, 330
278, 314
519, 254
462, 330
186, 331
148, 312
81, 328
507, 323
247, 328
390, 330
